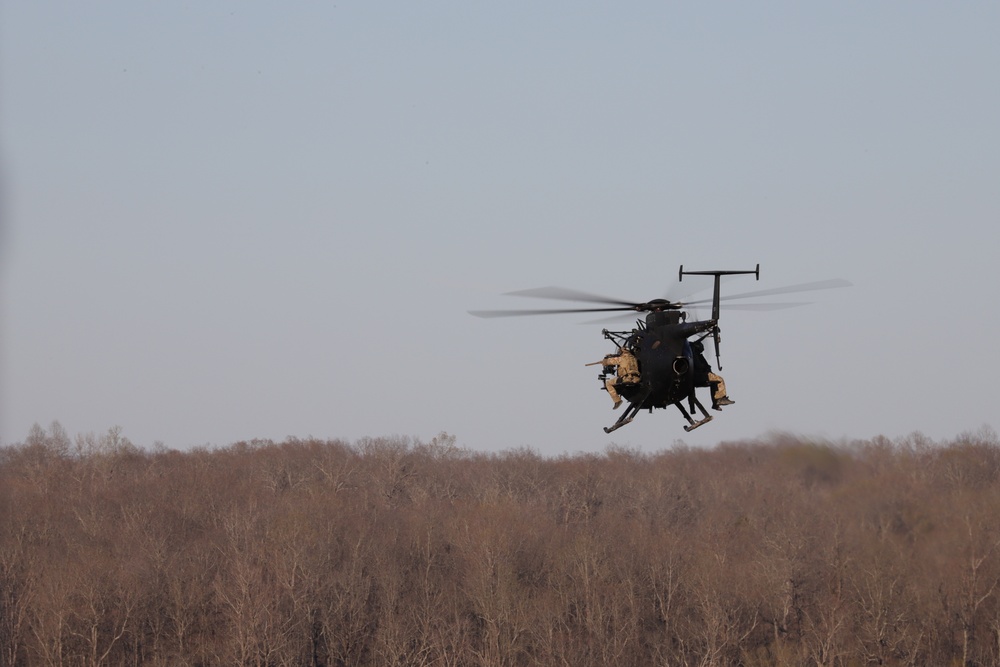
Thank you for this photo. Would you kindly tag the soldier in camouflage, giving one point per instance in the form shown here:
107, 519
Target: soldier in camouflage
626, 368
705, 377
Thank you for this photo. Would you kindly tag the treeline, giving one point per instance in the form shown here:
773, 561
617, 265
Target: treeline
391, 551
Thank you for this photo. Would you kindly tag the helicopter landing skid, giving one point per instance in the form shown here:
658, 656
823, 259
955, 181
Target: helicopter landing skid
617, 425
695, 424
692, 424
630, 412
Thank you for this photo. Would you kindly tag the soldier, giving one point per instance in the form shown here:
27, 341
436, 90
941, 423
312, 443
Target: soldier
704, 377
626, 368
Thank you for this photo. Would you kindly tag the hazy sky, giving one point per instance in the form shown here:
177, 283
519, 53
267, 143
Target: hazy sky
230, 220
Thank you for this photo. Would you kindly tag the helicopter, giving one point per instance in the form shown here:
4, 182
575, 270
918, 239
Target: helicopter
666, 348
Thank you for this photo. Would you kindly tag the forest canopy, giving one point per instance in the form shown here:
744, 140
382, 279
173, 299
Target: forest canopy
392, 551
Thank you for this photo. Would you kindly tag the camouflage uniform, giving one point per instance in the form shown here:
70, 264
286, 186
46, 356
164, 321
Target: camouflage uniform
705, 377
718, 390
627, 372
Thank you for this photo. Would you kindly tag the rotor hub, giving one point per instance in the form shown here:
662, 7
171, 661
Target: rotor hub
657, 306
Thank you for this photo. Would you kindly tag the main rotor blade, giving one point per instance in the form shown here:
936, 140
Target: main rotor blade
679, 291
563, 294
727, 307
764, 306
554, 311
622, 317
802, 287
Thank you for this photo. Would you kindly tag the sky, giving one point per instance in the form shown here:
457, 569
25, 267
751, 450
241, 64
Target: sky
232, 220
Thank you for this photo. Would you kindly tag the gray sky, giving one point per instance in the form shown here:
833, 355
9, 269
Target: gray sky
229, 220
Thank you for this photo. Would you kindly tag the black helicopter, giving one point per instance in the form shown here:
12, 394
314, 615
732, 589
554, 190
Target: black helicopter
670, 365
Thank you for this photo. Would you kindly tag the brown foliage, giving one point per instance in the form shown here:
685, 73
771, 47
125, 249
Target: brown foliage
396, 552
